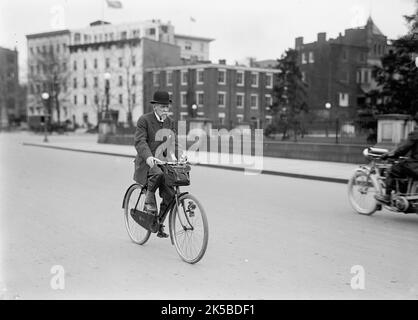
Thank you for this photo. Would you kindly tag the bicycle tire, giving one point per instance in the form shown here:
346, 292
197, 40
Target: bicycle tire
181, 237
137, 233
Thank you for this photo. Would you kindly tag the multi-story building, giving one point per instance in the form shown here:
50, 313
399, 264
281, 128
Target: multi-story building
338, 71
228, 96
49, 72
10, 105
99, 53
193, 48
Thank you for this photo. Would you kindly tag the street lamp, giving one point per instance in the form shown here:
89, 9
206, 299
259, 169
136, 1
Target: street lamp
328, 107
194, 110
107, 77
45, 98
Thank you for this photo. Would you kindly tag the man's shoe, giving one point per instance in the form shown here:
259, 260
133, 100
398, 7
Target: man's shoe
382, 198
161, 233
150, 205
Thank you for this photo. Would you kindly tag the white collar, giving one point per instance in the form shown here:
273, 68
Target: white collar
158, 118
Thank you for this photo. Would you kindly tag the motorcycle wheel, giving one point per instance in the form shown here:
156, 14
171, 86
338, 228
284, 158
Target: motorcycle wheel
361, 191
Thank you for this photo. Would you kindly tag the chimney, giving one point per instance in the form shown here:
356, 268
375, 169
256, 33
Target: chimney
322, 37
222, 61
298, 42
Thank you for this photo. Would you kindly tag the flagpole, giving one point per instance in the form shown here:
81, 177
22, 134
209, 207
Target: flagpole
103, 5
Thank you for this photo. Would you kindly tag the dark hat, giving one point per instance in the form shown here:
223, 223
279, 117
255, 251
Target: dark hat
161, 97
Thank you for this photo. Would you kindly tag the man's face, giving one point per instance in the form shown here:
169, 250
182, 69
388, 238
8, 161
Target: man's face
162, 110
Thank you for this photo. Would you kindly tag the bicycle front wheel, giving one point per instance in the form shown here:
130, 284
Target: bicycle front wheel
189, 229
135, 199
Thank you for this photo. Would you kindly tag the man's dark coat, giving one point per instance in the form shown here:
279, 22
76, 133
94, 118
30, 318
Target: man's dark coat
146, 145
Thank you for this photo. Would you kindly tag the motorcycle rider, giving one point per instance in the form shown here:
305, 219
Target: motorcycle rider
403, 169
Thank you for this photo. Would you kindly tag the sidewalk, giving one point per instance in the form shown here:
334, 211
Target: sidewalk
316, 170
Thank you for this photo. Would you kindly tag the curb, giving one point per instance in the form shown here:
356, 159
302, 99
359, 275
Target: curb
215, 166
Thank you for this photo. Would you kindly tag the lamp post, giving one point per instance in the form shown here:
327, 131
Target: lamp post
45, 99
328, 107
194, 110
107, 77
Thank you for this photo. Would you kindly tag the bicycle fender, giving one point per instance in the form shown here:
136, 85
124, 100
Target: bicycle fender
126, 193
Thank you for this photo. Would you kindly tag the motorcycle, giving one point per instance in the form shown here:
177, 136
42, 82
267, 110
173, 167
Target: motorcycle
369, 180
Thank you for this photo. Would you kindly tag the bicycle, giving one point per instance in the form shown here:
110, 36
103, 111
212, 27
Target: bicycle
188, 224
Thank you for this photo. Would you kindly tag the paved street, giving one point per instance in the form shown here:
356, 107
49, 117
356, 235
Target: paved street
271, 237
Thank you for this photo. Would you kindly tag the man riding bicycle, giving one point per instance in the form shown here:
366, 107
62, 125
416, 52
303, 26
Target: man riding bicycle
151, 150
403, 169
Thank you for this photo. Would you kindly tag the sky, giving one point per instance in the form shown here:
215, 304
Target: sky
262, 29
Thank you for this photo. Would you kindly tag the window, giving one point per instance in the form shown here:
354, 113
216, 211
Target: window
95, 63
240, 100
311, 57
304, 58
269, 100
344, 54
123, 35
85, 64
183, 99
107, 63
120, 99
64, 66
184, 77
96, 82
120, 62
240, 118
120, 81
344, 76
75, 66
133, 80
85, 83
151, 31
96, 99
254, 79
188, 46
155, 79
133, 98
31, 69
199, 76
202, 46
133, 58
169, 78
75, 83
343, 99
221, 76
199, 98
85, 100
221, 116
221, 99
254, 101
362, 57
75, 100
183, 115
269, 80
240, 78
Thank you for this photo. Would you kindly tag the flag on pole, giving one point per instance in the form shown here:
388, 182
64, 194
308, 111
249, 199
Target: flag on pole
115, 4
192, 19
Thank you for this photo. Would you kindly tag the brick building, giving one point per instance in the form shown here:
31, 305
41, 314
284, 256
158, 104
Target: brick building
73, 66
228, 96
12, 106
338, 71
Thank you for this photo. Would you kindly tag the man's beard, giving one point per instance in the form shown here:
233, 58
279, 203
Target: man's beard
164, 116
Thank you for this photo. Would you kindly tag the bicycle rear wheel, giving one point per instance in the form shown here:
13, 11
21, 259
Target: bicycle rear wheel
189, 229
135, 199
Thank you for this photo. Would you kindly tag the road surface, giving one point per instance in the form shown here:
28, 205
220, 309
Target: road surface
271, 237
